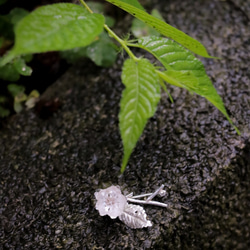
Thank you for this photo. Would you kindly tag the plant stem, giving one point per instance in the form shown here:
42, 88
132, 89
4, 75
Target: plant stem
112, 34
86, 6
122, 42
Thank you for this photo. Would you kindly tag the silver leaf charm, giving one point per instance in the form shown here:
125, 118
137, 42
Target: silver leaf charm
134, 216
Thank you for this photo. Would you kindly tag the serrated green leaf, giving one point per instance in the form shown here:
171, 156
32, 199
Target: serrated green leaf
183, 69
56, 27
164, 28
134, 3
138, 103
103, 51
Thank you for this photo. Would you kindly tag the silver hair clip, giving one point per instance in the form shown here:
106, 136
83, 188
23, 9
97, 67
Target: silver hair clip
112, 202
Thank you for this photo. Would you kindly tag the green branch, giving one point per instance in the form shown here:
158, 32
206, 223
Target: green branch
112, 34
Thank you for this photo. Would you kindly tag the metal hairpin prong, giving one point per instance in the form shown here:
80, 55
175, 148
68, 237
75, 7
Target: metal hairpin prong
157, 191
160, 192
139, 196
129, 195
110, 201
156, 203
150, 196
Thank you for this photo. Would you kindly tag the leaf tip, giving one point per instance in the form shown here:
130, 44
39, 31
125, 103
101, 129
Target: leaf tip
124, 164
213, 57
231, 122
237, 130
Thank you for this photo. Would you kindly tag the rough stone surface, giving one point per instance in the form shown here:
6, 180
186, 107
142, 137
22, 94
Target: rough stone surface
50, 169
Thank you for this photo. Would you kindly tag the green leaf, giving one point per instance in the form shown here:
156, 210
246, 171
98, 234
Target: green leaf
8, 22
56, 27
110, 21
17, 14
99, 8
27, 57
95, 6
3, 99
32, 99
164, 28
138, 103
6, 27
157, 14
15, 89
4, 112
2, 1
141, 29
183, 69
21, 67
72, 55
9, 73
102, 52
134, 3
18, 102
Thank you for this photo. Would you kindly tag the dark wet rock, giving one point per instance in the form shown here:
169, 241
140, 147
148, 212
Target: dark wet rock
50, 168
